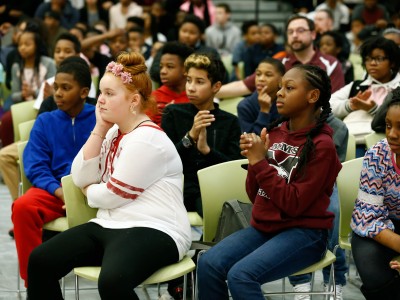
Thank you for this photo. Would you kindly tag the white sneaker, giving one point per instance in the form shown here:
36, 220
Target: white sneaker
303, 287
339, 291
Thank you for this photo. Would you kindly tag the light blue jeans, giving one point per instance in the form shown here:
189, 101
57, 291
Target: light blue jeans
340, 265
249, 258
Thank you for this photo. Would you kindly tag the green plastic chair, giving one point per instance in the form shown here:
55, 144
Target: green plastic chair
230, 104
24, 129
372, 138
351, 147
22, 112
78, 212
58, 225
348, 182
226, 181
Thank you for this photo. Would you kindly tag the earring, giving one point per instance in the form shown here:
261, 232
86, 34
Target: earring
132, 110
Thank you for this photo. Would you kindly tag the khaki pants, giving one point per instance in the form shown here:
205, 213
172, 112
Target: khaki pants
9, 168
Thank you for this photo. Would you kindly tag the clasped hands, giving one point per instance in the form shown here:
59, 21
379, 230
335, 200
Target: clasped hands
254, 147
198, 132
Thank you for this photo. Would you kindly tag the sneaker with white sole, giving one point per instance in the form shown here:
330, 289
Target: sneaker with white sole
303, 287
339, 291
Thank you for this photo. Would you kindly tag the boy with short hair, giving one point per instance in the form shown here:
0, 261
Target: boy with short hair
67, 45
173, 78
55, 139
203, 134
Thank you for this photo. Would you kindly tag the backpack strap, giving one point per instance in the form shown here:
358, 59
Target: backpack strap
238, 210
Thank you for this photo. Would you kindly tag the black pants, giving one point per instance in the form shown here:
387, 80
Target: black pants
372, 262
127, 257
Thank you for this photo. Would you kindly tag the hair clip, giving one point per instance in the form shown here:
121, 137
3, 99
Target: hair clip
118, 70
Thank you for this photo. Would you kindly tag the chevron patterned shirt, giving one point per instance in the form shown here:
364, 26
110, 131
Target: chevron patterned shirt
378, 200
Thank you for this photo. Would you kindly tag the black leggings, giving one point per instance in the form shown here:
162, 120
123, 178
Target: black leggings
372, 262
126, 256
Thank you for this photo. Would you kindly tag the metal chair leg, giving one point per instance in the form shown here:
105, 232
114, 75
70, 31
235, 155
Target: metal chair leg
76, 287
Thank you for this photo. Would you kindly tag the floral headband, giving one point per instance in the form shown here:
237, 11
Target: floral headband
117, 70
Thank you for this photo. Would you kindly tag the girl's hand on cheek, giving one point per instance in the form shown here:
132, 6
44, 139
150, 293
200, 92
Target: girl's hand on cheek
102, 124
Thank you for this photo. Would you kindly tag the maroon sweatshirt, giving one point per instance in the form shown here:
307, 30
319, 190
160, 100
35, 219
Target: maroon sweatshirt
282, 200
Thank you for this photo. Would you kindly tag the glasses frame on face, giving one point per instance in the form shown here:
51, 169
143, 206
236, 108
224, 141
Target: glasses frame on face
377, 59
299, 30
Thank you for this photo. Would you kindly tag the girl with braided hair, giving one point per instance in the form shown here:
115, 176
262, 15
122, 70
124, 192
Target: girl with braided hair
290, 187
131, 171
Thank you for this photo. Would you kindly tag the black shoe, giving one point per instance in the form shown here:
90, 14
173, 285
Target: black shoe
11, 232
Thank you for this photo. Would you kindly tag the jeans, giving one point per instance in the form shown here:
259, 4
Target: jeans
333, 239
249, 258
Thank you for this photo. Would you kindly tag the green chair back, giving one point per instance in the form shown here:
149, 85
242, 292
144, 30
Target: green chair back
25, 184
78, 211
25, 129
22, 112
348, 182
372, 138
219, 183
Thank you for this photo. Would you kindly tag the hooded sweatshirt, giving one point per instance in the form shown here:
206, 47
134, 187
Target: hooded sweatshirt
283, 200
55, 140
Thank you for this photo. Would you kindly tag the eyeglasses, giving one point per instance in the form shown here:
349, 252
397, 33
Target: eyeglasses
376, 59
297, 30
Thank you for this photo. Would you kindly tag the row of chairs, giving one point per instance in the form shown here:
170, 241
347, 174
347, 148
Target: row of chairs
213, 196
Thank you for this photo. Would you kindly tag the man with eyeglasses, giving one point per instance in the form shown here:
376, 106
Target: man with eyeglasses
300, 35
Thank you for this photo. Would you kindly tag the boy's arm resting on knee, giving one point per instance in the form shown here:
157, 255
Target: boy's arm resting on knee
233, 89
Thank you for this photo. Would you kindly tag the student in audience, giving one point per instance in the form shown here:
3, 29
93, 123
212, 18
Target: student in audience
152, 32
28, 72
266, 47
31, 69
204, 9
250, 36
357, 102
136, 42
190, 34
289, 190
91, 12
203, 134
259, 109
130, 170
372, 13
223, 35
376, 219
55, 139
121, 11
66, 46
340, 12
69, 15
173, 78
332, 43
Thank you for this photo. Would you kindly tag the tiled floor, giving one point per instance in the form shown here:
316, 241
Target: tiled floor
8, 269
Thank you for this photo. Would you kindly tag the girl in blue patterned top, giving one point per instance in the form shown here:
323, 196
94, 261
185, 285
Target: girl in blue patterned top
376, 216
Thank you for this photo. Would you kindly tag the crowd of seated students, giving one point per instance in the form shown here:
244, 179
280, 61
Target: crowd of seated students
356, 45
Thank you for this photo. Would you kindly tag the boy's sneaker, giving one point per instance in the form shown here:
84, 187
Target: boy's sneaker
11, 232
303, 287
339, 292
